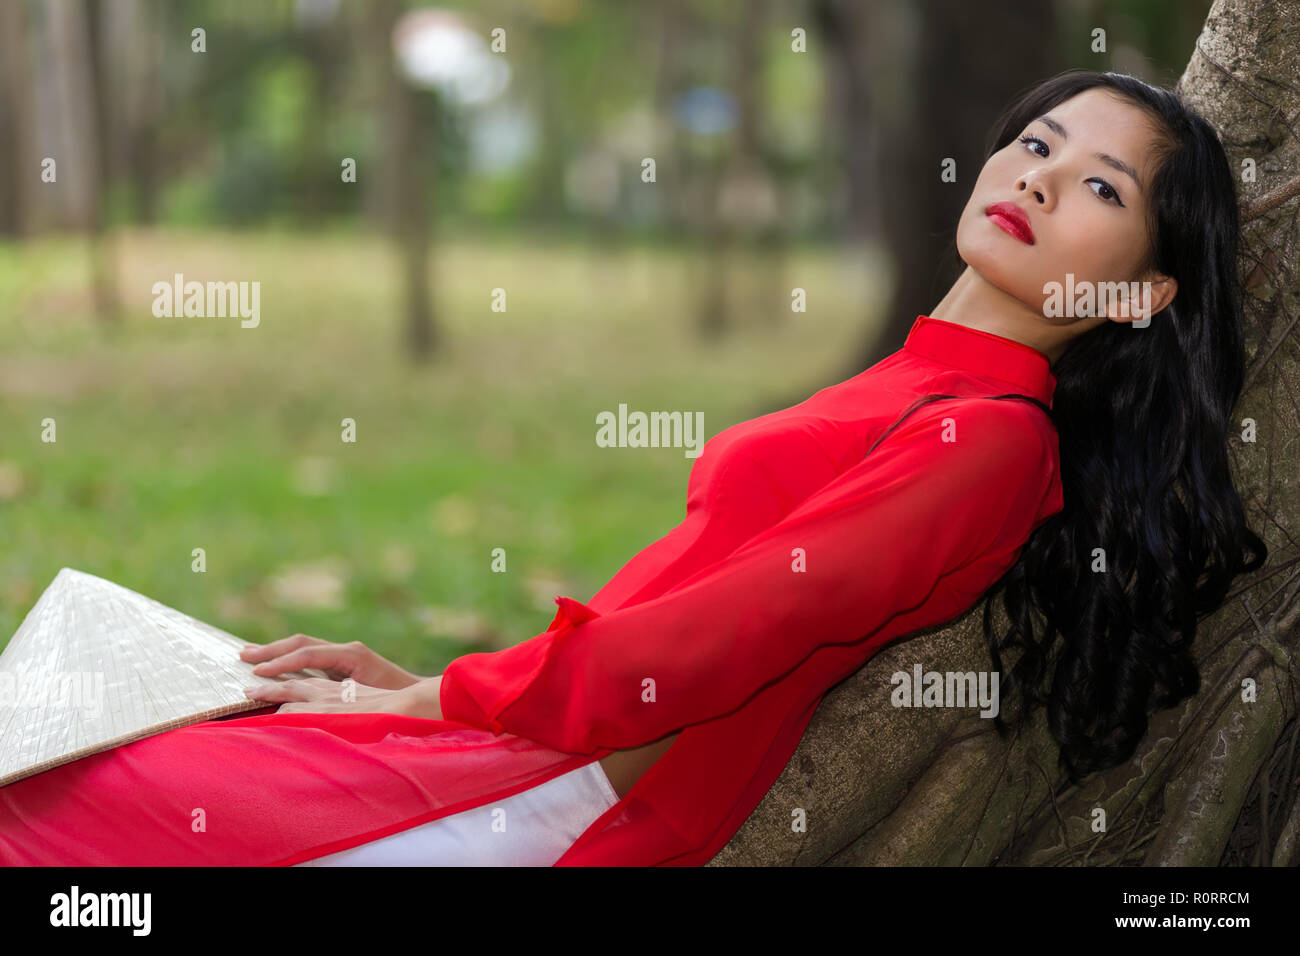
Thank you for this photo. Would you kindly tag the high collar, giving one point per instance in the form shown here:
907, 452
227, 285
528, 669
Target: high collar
983, 353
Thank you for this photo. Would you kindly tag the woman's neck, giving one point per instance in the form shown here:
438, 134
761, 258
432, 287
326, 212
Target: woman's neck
978, 304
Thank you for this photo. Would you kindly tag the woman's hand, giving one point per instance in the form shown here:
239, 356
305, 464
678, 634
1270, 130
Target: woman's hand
317, 695
339, 661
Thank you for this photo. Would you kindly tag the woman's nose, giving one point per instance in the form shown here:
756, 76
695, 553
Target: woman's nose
1033, 184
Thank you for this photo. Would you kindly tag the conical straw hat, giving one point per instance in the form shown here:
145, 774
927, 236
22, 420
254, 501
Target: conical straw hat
95, 665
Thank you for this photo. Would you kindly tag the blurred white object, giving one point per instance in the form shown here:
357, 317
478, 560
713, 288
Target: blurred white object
95, 665
436, 49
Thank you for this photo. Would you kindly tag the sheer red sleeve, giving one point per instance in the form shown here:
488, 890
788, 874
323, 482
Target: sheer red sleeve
952, 482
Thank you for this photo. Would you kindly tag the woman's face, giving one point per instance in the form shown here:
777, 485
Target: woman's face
1087, 214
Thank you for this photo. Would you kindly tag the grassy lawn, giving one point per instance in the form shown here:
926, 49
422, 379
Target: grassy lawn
183, 433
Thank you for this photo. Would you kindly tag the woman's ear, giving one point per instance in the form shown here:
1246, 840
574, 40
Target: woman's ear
1155, 292
1163, 290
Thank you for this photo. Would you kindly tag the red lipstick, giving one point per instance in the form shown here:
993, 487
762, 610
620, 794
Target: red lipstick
1012, 219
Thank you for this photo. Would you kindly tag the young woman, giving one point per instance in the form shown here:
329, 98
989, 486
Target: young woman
998, 449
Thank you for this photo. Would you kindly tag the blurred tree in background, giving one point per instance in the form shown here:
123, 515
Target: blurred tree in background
752, 145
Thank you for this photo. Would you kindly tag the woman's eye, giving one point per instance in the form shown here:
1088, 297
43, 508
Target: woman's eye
1106, 192
1034, 139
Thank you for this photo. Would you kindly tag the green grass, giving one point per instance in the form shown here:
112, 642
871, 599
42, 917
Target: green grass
183, 433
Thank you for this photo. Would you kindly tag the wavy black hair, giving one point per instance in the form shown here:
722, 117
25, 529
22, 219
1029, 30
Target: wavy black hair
1143, 422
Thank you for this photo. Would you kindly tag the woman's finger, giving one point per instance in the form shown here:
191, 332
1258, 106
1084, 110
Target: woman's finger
306, 689
262, 652
322, 685
282, 690
327, 657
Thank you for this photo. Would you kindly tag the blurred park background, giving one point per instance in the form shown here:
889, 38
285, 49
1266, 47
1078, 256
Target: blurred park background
646, 182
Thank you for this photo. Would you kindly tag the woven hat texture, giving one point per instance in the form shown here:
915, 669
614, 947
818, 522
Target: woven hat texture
95, 665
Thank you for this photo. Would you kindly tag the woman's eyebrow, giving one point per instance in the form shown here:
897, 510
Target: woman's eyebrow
1111, 161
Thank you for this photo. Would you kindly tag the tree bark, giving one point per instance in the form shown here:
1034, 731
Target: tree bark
1213, 781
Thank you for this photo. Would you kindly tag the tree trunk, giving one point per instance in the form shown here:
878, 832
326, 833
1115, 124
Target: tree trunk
1213, 781
406, 205
846, 28
103, 248
413, 152
80, 168
19, 168
134, 31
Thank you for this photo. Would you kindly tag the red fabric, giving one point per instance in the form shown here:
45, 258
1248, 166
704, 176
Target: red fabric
797, 560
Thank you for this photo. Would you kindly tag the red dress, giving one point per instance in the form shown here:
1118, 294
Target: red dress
797, 560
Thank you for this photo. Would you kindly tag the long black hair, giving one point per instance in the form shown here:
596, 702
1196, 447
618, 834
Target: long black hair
1143, 422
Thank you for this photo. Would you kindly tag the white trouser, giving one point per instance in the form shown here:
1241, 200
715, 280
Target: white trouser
532, 828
